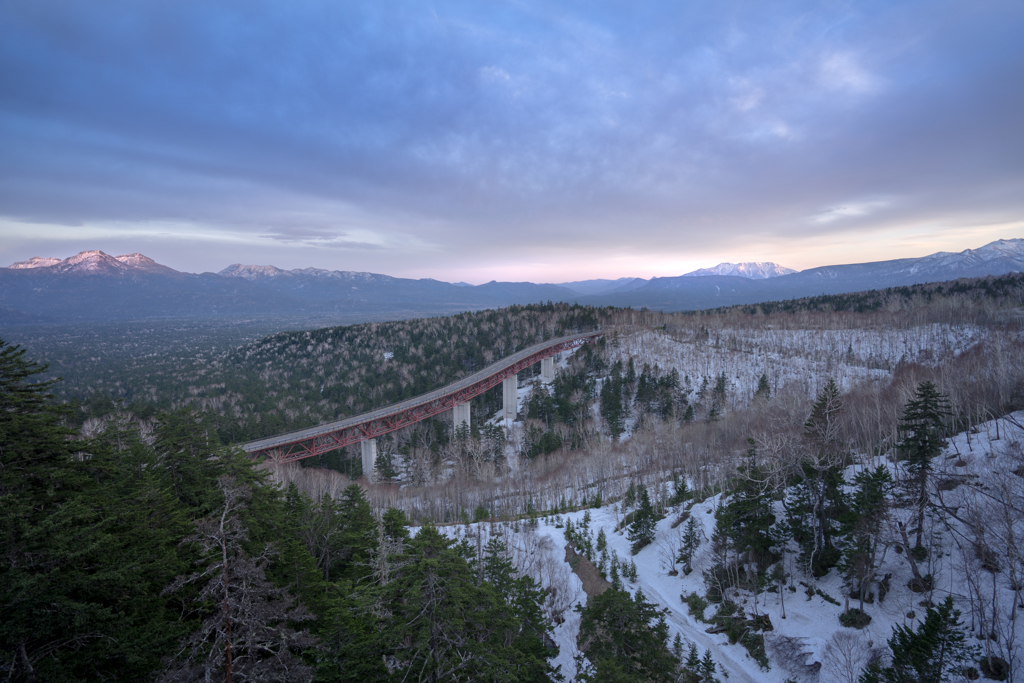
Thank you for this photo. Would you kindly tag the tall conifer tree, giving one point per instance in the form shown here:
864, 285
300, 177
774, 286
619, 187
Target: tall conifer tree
641, 530
922, 429
936, 653
86, 540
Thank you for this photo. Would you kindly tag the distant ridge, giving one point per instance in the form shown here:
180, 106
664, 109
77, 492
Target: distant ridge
684, 292
93, 285
601, 286
264, 272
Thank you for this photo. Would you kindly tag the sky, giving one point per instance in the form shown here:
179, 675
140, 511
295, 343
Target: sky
546, 141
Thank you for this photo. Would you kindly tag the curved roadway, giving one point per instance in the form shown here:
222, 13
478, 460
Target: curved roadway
397, 408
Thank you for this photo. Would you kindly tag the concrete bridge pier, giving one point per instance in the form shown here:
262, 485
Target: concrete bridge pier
460, 415
510, 397
547, 369
368, 450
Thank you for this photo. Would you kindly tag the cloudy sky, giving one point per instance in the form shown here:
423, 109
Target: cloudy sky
476, 140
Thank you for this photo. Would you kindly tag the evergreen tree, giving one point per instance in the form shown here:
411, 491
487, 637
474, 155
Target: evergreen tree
747, 519
86, 545
91, 532
822, 426
629, 498
437, 624
718, 394
523, 599
497, 569
868, 514
708, 668
358, 537
646, 391
690, 543
611, 401
692, 659
184, 443
625, 638
764, 388
384, 462
669, 395
320, 526
681, 492
641, 530
630, 378
937, 652
395, 524
699, 670
616, 578
817, 504
923, 429
677, 647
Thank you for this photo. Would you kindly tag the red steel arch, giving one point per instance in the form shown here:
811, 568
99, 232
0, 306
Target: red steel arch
306, 443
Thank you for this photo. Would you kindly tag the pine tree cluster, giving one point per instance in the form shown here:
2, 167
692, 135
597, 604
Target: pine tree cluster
137, 556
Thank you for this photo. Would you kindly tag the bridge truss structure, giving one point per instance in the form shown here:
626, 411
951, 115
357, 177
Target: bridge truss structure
314, 441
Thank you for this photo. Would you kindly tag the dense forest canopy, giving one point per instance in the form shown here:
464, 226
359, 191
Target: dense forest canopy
172, 558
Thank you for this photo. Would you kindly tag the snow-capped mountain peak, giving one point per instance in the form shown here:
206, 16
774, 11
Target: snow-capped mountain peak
94, 261
752, 270
1000, 249
252, 272
139, 261
35, 262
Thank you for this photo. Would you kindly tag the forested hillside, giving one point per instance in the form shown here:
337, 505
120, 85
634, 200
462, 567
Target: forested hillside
297, 379
163, 556
737, 490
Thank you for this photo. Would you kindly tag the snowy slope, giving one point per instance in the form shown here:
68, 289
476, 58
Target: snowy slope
802, 357
985, 457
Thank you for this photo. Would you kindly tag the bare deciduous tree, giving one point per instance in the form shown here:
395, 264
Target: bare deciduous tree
246, 632
846, 654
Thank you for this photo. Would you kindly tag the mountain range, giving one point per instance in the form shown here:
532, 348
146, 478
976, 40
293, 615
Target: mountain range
93, 285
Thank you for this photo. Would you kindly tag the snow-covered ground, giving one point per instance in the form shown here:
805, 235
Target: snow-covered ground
807, 358
800, 359
982, 474
988, 463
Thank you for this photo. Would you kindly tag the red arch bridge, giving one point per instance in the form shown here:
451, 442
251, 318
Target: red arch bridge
306, 443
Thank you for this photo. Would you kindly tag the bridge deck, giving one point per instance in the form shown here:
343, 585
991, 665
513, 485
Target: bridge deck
316, 440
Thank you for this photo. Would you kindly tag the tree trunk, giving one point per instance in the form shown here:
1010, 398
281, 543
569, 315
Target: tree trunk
227, 613
922, 501
25, 663
910, 558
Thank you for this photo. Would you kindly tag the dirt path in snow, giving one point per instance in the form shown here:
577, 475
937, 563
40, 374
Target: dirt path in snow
593, 583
